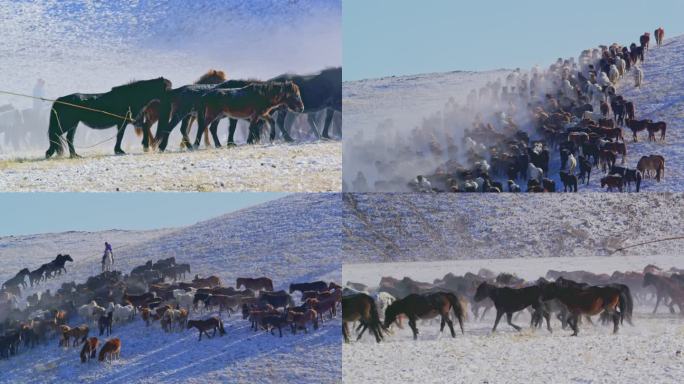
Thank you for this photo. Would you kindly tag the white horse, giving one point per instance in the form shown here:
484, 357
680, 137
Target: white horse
534, 172
638, 77
603, 79
382, 301
621, 65
184, 298
571, 164
107, 261
613, 74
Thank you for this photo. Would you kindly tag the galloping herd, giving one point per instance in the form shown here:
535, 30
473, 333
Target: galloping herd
154, 292
211, 98
570, 296
572, 109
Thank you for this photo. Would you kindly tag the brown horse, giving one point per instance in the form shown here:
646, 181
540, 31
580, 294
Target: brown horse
618, 148
645, 39
111, 349
426, 306
665, 287
78, 334
89, 349
636, 126
587, 301
211, 281
613, 181
361, 307
650, 163
653, 128
255, 284
203, 326
301, 319
659, 36
253, 102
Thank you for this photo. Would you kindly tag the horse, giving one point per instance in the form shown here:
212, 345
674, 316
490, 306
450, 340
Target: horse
278, 299
510, 300
211, 281
255, 284
585, 300
665, 287
78, 334
629, 176
301, 319
105, 323
58, 264
612, 181
205, 325
317, 286
321, 91
253, 102
426, 306
568, 180
654, 163
121, 104
637, 126
111, 349
89, 349
653, 128
638, 76
107, 260
618, 148
644, 40
18, 280
361, 307
659, 36
585, 167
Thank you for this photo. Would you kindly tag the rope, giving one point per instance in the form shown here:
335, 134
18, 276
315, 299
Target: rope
128, 118
648, 242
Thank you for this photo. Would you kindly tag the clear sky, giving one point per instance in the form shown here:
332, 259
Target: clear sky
32, 213
401, 37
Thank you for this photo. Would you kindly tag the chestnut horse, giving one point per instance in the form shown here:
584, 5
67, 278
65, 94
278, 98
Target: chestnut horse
203, 326
665, 287
111, 349
426, 306
654, 163
653, 128
659, 36
361, 307
89, 349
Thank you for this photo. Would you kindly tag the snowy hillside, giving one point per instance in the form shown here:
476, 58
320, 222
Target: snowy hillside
292, 239
409, 227
652, 346
383, 117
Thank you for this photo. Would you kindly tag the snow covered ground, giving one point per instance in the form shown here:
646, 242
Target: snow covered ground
306, 167
651, 350
412, 226
292, 239
380, 113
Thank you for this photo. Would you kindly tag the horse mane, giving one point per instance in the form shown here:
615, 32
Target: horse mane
137, 83
212, 76
268, 88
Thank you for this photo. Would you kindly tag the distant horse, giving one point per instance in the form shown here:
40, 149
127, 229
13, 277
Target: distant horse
361, 307
111, 349
89, 349
653, 128
211, 281
105, 323
637, 126
612, 182
125, 100
659, 36
78, 334
644, 40
205, 325
665, 287
57, 265
317, 286
278, 299
655, 163
510, 300
255, 284
299, 320
38, 275
426, 306
18, 280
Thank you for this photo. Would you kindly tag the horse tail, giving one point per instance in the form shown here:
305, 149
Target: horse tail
376, 326
220, 326
626, 304
84, 352
55, 131
105, 349
206, 137
458, 309
138, 130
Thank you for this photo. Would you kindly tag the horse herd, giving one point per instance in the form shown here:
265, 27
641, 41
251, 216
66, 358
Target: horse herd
569, 296
45, 272
155, 292
146, 102
572, 107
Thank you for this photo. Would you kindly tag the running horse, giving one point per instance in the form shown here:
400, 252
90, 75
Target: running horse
115, 108
665, 287
426, 306
511, 300
361, 307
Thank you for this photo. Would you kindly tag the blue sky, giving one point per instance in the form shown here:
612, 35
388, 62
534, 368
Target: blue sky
32, 213
401, 37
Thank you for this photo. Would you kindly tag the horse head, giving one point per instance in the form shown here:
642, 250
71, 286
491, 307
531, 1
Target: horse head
291, 96
482, 291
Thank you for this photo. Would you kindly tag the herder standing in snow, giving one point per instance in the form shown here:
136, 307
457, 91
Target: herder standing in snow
107, 258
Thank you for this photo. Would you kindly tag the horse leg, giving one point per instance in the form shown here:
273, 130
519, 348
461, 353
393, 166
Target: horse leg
121, 129
232, 124
414, 328
213, 129
70, 141
281, 122
657, 302
329, 113
498, 318
547, 316
509, 318
253, 134
449, 323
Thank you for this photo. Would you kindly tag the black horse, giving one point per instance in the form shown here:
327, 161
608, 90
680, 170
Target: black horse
121, 104
322, 91
57, 265
361, 307
426, 306
510, 300
317, 286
